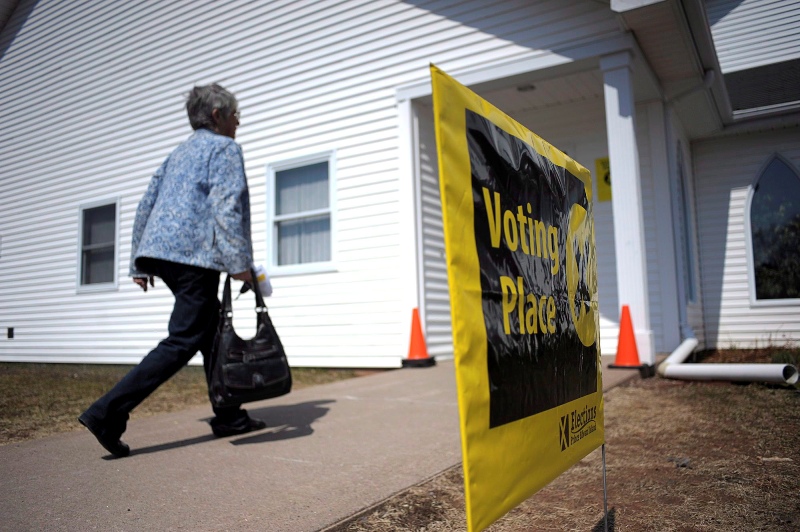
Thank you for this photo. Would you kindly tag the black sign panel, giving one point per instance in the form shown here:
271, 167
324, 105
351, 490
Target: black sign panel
522, 204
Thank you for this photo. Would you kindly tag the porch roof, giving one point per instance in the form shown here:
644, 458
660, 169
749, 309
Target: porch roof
676, 38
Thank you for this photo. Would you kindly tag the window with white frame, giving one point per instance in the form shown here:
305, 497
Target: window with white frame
775, 232
98, 244
301, 207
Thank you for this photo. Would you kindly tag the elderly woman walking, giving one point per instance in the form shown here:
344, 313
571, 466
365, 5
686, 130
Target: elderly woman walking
192, 223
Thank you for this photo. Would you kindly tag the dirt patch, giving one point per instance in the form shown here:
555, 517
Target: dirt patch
681, 456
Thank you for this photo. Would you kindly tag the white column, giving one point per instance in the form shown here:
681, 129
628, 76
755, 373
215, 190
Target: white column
407, 176
626, 194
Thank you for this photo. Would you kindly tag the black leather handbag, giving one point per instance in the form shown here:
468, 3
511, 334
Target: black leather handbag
243, 371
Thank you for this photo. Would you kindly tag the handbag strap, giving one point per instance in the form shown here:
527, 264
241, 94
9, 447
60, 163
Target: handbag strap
227, 301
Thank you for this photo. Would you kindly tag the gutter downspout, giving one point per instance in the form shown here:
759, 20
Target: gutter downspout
674, 368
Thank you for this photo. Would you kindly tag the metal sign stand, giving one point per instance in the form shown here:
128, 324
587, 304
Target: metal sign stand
605, 491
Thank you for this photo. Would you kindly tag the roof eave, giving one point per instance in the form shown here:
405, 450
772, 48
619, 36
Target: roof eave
687, 30
697, 21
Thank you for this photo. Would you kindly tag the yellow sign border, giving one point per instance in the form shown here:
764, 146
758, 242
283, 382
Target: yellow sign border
503, 466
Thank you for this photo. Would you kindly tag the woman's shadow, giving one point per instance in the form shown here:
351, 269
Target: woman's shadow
283, 422
286, 421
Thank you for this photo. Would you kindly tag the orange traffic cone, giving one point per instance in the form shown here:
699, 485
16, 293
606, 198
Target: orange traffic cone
627, 352
417, 350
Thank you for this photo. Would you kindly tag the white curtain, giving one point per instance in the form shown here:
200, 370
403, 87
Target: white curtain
304, 233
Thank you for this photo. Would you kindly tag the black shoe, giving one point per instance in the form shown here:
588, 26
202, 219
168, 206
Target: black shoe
251, 425
109, 442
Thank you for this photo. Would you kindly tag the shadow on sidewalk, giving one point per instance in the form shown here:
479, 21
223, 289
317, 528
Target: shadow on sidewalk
171, 445
286, 421
283, 422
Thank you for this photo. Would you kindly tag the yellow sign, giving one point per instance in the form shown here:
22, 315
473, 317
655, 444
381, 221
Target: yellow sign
603, 176
519, 236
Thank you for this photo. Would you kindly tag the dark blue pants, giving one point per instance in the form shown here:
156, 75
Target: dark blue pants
192, 328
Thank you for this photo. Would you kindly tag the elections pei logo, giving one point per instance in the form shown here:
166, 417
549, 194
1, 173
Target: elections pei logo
577, 425
564, 432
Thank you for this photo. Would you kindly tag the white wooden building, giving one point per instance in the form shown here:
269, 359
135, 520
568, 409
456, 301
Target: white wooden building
691, 101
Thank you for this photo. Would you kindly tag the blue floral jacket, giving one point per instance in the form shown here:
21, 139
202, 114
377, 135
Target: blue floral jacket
197, 208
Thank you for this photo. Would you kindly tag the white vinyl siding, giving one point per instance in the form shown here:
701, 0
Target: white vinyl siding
94, 95
753, 33
725, 170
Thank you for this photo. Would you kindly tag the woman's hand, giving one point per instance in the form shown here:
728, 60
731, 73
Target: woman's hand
142, 282
243, 276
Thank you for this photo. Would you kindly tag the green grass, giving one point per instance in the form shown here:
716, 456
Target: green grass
43, 399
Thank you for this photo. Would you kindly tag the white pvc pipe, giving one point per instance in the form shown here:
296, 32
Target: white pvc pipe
679, 355
775, 373
673, 368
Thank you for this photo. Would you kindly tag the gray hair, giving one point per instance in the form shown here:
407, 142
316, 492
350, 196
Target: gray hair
203, 99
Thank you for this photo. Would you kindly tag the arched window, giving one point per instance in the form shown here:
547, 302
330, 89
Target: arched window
775, 231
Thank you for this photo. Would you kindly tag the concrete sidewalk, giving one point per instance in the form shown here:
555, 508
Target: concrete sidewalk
331, 451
